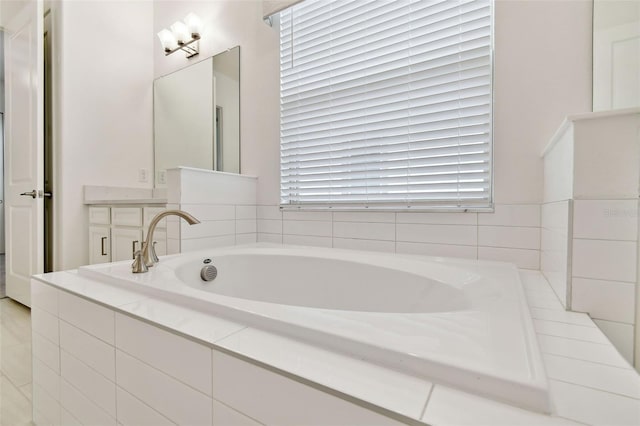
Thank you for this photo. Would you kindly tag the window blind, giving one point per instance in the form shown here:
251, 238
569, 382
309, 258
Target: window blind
386, 104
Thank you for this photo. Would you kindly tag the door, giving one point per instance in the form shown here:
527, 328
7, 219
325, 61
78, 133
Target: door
24, 212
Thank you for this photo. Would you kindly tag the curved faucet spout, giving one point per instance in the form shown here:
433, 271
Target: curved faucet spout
148, 251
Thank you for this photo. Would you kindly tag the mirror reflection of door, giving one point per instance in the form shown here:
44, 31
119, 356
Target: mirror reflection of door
219, 139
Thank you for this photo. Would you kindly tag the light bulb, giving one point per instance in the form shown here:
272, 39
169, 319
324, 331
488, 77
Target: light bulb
194, 24
180, 32
167, 40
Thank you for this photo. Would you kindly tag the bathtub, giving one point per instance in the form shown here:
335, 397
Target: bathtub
456, 322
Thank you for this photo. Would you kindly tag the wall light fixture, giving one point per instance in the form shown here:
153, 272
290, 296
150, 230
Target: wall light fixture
182, 36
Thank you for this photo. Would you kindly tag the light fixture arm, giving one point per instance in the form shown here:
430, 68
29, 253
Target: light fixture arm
191, 47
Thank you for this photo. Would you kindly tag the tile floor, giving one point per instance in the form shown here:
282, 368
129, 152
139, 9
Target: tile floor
15, 364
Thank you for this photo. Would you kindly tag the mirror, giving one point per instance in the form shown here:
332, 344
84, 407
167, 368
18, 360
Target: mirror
616, 54
196, 116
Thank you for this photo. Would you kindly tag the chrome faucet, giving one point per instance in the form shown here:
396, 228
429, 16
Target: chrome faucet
145, 258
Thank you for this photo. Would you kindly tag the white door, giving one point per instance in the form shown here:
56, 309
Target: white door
24, 102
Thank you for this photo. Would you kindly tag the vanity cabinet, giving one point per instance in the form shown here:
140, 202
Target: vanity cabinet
116, 233
99, 244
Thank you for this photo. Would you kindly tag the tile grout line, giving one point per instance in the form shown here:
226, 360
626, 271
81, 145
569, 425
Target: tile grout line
424, 408
587, 361
595, 389
577, 325
543, 352
574, 339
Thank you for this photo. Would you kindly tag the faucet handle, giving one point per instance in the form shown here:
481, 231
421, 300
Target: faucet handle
138, 266
152, 252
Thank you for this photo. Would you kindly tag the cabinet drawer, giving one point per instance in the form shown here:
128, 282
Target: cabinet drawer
99, 215
126, 216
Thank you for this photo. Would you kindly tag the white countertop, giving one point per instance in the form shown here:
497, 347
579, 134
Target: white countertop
110, 195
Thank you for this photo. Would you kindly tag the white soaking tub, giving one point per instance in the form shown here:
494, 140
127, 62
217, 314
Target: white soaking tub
461, 323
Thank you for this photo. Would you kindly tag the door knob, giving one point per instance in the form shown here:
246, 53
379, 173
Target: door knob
32, 194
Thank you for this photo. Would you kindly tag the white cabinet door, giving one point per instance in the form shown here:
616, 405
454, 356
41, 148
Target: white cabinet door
124, 241
99, 244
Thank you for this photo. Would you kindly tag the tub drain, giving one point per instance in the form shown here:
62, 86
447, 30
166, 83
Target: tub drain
208, 273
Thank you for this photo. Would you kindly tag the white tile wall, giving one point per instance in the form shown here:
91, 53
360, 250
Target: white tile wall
46, 351
438, 234
307, 240
133, 412
82, 408
45, 324
511, 234
555, 247
606, 157
44, 296
90, 383
261, 394
558, 167
176, 356
523, 258
46, 379
446, 250
94, 319
48, 408
509, 237
607, 300
604, 263
606, 219
621, 335
223, 202
590, 381
179, 402
94, 352
512, 215
227, 416
306, 227
604, 260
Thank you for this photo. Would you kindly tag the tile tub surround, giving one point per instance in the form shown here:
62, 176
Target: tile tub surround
147, 340
225, 204
455, 321
510, 234
590, 220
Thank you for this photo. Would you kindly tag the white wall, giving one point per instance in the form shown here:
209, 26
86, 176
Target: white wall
542, 74
103, 85
229, 23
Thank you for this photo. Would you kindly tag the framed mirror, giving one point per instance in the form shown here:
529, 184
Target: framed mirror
196, 117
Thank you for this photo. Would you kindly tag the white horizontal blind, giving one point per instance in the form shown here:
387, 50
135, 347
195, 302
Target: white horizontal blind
386, 103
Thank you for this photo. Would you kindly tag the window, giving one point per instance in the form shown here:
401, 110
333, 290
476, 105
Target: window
386, 104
